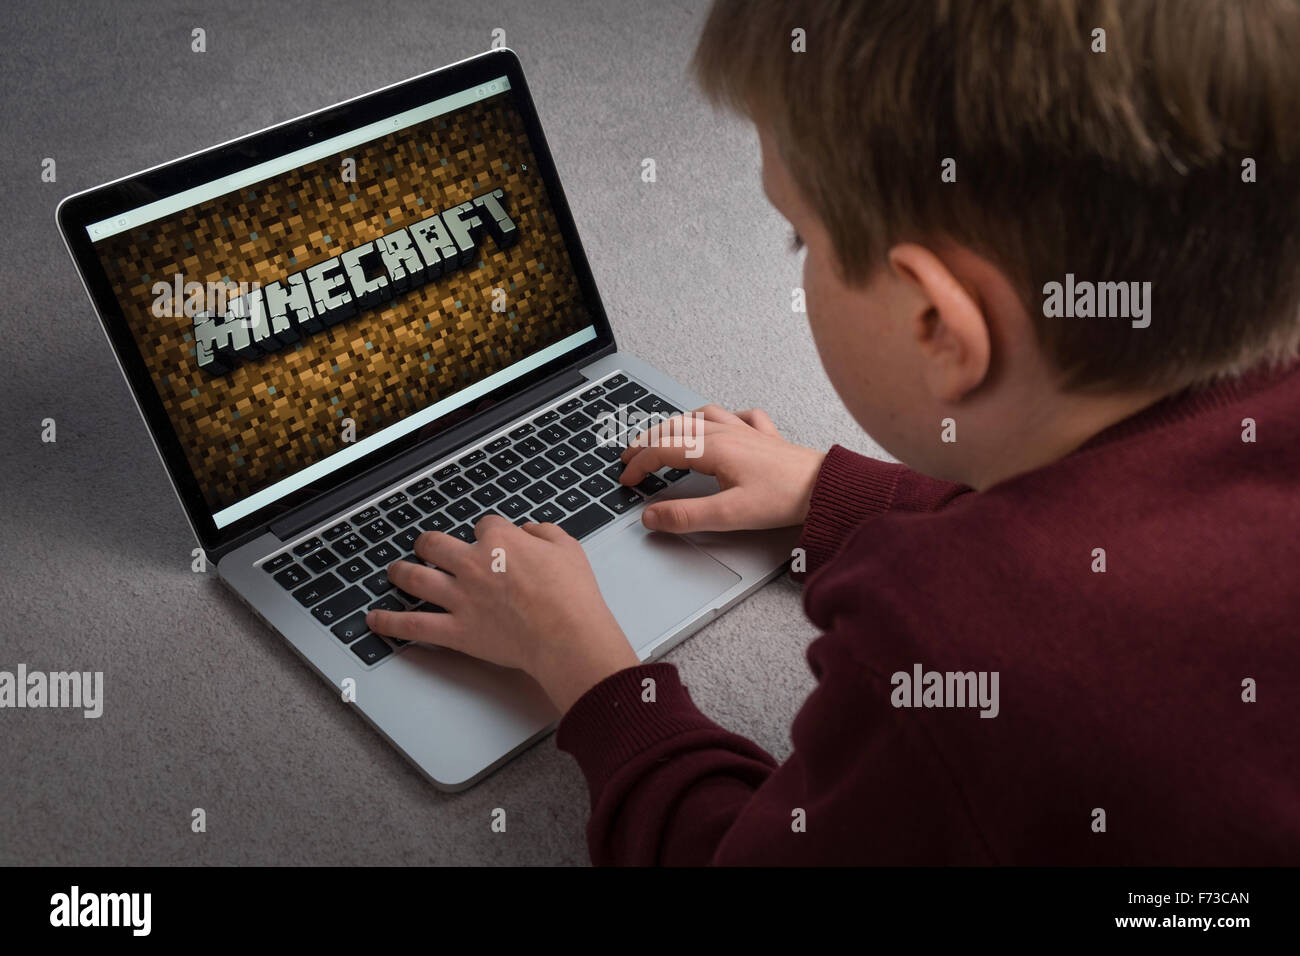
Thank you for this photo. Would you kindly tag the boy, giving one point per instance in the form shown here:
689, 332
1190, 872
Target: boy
1052, 264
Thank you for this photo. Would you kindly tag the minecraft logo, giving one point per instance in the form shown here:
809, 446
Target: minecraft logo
267, 319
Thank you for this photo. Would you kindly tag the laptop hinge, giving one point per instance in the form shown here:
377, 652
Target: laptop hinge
409, 461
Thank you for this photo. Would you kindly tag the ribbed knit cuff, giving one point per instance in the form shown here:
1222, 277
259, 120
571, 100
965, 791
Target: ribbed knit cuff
850, 488
610, 724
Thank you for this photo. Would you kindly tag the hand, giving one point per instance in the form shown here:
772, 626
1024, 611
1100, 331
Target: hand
520, 597
765, 481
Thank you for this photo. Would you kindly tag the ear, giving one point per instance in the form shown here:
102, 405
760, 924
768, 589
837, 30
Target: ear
949, 325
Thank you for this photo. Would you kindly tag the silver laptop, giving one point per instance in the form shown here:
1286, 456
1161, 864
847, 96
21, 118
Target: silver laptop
376, 320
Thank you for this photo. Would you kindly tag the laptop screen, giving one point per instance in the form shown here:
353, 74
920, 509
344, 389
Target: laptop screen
302, 313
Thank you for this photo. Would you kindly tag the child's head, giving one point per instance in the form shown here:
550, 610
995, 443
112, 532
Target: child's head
967, 175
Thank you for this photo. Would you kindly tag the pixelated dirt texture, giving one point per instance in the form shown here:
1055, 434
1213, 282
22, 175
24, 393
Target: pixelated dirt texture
279, 412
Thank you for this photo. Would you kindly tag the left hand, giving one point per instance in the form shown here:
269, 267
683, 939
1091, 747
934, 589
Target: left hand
518, 596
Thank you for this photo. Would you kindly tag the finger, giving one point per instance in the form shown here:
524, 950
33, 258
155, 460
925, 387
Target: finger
443, 551
673, 430
418, 626
432, 584
682, 515
546, 531
651, 459
716, 413
757, 419
686, 433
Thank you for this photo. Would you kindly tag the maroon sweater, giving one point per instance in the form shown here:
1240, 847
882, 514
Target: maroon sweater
1119, 691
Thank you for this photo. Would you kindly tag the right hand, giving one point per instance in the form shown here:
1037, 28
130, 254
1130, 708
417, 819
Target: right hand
765, 481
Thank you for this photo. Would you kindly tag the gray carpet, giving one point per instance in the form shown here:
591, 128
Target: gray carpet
205, 706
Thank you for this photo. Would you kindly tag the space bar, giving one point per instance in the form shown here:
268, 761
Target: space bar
584, 522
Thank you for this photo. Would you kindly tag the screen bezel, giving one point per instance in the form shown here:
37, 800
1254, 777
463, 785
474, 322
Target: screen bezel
78, 211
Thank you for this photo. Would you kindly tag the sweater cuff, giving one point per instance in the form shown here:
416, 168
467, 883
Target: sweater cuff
611, 723
850, 488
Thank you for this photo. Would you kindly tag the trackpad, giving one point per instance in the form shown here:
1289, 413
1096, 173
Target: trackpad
654, 581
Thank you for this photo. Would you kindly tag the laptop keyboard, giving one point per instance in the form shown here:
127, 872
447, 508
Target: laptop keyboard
548, 466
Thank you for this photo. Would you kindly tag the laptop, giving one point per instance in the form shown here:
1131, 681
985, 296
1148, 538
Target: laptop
376, 320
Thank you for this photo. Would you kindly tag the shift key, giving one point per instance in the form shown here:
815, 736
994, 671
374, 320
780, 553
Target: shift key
341, 605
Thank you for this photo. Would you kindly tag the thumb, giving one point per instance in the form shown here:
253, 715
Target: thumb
682, 515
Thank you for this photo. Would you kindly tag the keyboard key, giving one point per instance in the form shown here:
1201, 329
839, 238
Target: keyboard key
403, 515
561, 454
349, 629
592, 393
596, 485
512, 480
437, 522
529, 447
584, 522
382, 555
338, 530
497, 444
405, 541
291, 577
588, 465
564, 477
444, 473
488, 495
278, 562
546, 418
472, 458
507, 459
455, 488
614, 470
393, 500
572, 500
608, 452
575, 422
481, 473
421, 486
651, 485
463, 509
513, 507
371, 649
547, 512
598, 408
318, 590
349, 544
537, 467
319, 561
307, 547
464, 532
388, 603
354, 568
365, 517
340, 605
378, 583
377, 530
538, 492
553, 434
521, 431
583, 441
627, 394
675, 474
572, 405
620, 500
657, 406
430, 501
614, 381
